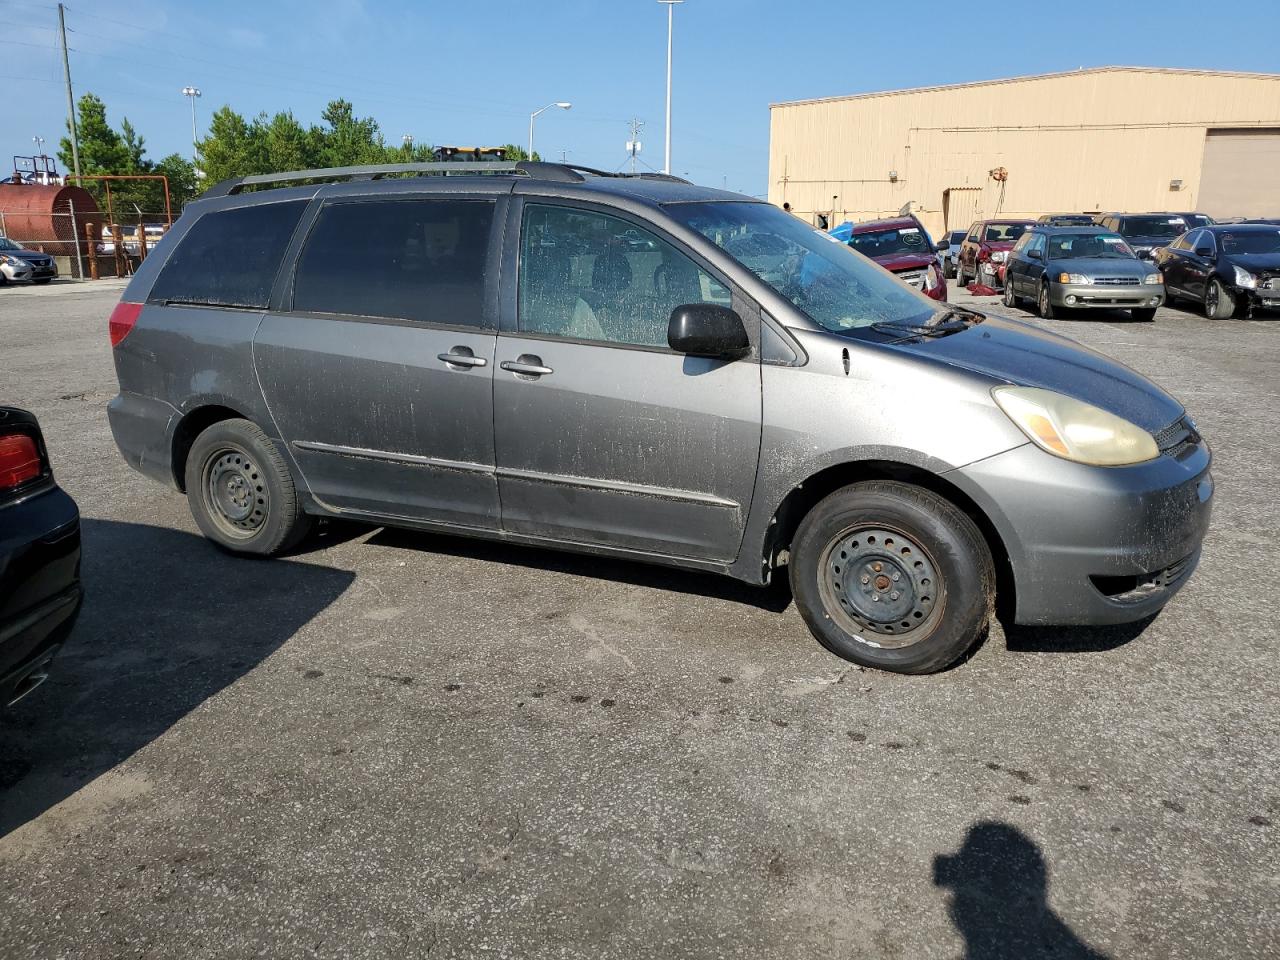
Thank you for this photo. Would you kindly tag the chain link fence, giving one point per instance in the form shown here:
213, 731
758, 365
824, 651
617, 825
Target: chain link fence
86, 245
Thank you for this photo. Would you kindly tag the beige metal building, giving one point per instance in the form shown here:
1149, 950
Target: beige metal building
1093, 140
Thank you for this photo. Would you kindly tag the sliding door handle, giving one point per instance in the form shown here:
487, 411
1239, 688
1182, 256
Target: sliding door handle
526, 365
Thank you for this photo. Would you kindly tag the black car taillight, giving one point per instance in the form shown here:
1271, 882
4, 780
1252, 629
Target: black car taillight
20, 460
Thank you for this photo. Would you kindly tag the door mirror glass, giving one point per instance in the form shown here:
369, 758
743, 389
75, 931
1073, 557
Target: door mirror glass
707, 330
1034, 254
1206, 252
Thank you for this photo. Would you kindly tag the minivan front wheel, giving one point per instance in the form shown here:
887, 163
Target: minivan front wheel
892, 576
240, 490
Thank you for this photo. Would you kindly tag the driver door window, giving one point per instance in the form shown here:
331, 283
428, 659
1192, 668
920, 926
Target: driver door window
590, 276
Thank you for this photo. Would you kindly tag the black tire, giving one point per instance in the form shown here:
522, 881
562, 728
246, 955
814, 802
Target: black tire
42, 281
241, 492
885, 530
1218, 303
1044, 305
962, 281
1010, 298
1143, 315
948, 268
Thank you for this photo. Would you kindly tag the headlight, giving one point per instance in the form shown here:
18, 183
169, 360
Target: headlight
1074, 278
1245, 279
1153, 278
931, 278
11, 261
998, 256
1075, 430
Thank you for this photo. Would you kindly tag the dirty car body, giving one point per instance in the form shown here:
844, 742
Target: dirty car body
544, 396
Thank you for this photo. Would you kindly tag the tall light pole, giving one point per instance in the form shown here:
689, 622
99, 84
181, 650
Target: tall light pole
671, 9
407, 140
562, 104
191, 93
39, 142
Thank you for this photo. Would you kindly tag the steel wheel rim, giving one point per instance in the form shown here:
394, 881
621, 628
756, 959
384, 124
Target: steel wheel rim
880, 586
235, 492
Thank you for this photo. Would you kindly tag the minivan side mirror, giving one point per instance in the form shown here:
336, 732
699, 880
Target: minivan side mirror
1034, 255
707, 330
1206, 252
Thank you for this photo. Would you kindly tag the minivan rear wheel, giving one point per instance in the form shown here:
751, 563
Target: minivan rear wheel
240, 490
892, 576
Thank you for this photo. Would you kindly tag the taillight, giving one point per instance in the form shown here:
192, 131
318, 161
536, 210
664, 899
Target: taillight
19, 460
123, 317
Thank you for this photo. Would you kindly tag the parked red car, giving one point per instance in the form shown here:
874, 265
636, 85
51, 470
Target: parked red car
902, 246
983, 253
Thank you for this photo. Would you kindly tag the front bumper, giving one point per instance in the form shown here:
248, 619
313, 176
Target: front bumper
16, 273
40, 592
1078, 296
1266, 297
1094, 545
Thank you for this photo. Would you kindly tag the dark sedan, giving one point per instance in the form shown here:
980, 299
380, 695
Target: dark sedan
1229, 269
1075, 268
1148, 232
40, 590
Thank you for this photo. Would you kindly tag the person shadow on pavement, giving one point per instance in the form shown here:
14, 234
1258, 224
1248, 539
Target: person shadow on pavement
999, 898
168, 622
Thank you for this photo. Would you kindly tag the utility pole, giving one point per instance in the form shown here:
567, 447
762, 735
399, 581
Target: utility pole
634, 145
671, 6
71, 100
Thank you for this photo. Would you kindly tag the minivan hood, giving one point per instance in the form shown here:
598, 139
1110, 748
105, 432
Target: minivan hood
1021, 354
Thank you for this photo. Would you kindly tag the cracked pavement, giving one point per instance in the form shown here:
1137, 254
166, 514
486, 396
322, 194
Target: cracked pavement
394, 744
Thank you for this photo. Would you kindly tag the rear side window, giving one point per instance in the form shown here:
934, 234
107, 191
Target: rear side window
229, 258
418, 260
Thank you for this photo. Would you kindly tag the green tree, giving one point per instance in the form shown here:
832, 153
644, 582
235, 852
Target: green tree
183, 185
233, 148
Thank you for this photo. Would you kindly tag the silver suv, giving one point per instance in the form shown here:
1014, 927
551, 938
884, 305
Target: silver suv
639, 367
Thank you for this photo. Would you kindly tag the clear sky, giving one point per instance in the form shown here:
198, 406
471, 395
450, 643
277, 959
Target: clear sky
471, 71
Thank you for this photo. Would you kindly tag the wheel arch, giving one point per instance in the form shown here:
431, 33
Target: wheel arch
194, 422
807, 494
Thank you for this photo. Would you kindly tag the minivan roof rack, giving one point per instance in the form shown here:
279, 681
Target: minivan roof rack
560, 172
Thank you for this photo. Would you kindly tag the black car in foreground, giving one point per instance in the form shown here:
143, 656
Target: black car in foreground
1230, 269
40, 590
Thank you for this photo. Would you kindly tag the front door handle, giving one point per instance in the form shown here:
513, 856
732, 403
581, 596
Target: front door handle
527, 365
461, 357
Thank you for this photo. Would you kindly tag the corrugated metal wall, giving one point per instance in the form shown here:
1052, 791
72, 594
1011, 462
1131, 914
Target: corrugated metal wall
1092, 140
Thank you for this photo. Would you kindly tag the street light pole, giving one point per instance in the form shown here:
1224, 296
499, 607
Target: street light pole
562, 104
671, 7
191, 93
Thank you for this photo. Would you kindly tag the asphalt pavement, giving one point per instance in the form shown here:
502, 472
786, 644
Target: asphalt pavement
398, 745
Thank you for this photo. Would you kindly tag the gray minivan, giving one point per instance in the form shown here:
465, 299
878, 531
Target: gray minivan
639, 367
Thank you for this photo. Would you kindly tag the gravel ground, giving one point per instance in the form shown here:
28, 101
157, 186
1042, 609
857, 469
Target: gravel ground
394, 745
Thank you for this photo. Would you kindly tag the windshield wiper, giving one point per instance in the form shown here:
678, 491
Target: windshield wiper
945, 324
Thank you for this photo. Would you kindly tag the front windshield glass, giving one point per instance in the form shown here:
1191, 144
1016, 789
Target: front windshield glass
890, 243
1197, 220
1250, 241
1074, 246
7, 244
838, 289
1004, 232
1170, 227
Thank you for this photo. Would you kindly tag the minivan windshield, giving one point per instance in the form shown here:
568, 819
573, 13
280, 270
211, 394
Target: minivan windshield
890, 243
838, 289
1074, 246
1155, 226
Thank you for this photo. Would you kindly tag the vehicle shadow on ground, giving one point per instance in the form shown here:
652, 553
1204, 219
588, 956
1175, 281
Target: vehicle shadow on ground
168, 621
774, 598
1074, 639
999, 885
